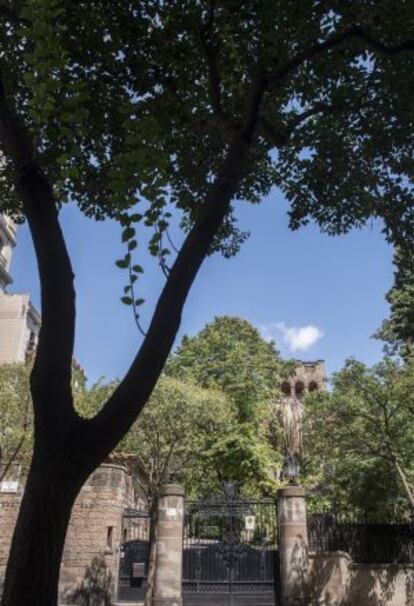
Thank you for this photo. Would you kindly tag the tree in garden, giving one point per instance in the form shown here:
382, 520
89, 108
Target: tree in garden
359, 439
184, 109
398, 330
230, 354
16, 418
184, 434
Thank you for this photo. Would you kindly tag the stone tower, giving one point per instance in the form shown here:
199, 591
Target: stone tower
308, 377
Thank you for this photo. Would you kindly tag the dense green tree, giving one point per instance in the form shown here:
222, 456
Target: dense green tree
193, 105
16, 418
398, 330
184, 434
359, 439
230, 354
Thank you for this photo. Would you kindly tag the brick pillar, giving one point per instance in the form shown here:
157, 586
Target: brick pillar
168, 572
293, 545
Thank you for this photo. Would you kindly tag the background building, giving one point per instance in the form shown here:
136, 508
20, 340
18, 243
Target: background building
19, 320
7, 243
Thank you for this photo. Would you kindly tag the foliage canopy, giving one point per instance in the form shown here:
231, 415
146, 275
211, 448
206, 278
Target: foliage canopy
118, 111
359, 439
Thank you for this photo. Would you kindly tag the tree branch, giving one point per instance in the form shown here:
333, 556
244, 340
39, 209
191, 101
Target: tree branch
210, 54
356, 32
12, 458
118, 414
218, 119
51, 376
278, 136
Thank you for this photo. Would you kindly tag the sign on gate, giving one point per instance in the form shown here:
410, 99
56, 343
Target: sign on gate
230, 550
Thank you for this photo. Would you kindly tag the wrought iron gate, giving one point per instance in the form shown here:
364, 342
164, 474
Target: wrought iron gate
133, 561
230, 550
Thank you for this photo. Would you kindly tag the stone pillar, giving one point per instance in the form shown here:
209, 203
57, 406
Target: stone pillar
168, 572
293, 545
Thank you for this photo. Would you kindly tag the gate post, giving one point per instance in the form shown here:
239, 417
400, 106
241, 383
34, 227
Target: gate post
293, 545
168, 570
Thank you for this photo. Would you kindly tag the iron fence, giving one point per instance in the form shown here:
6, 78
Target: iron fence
366, 542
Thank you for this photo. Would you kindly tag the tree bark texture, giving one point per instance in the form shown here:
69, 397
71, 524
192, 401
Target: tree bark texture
34, 562
152, 560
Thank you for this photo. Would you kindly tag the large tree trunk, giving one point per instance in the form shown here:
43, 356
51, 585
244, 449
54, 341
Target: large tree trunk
53, 483
153, 534
33, 568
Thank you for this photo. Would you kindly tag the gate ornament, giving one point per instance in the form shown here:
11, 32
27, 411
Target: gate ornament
230, 548
229, 489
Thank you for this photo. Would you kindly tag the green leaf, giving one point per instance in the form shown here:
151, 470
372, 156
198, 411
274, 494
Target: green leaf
127, 300
122, 264
128, 233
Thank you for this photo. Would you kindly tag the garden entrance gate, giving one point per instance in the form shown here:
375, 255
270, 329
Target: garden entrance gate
134, 551
230, 553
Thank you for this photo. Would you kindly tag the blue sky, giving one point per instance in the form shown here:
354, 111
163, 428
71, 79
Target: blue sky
320, 297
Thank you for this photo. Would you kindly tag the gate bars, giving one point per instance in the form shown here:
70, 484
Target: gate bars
230, 547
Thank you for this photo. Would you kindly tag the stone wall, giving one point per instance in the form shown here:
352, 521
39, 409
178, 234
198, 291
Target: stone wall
328, 578
9, 509
94, 534
381, 585
334, 580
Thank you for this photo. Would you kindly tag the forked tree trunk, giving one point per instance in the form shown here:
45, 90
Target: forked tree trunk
153, 534
33, 567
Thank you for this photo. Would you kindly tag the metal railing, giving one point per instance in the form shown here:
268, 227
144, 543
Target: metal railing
366, 542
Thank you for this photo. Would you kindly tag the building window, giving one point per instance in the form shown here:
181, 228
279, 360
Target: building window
109, 538
286, 389
299, 389
313, 386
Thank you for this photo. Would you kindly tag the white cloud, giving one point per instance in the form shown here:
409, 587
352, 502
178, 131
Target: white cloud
297, 338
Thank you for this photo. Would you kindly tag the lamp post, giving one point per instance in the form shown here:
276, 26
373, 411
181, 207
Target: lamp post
291, 469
